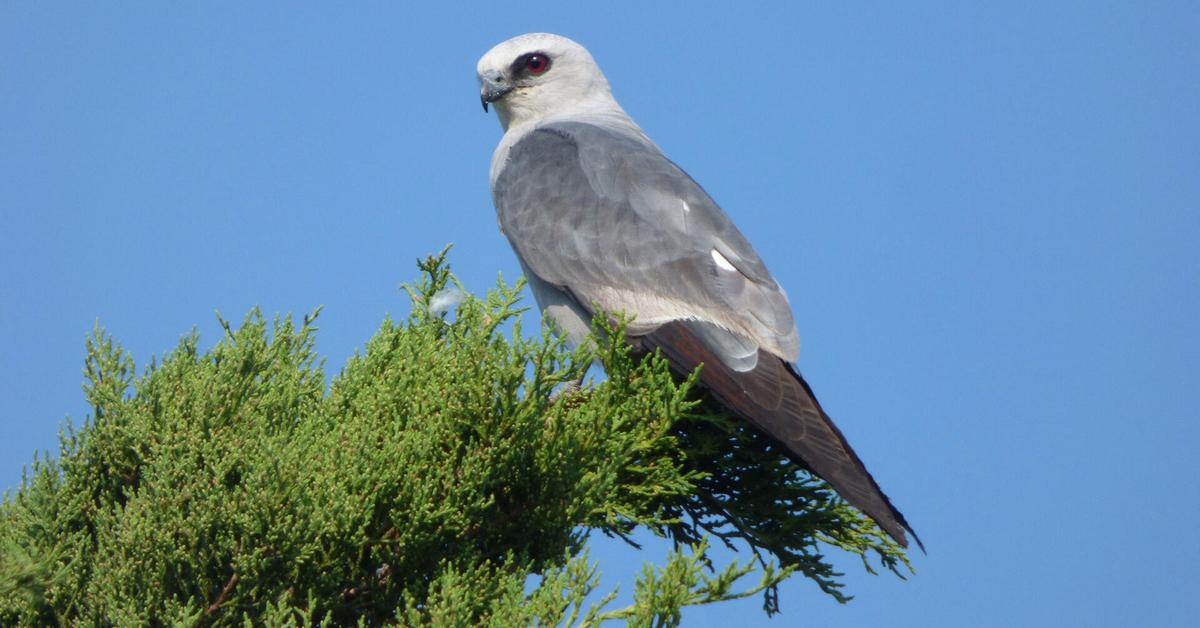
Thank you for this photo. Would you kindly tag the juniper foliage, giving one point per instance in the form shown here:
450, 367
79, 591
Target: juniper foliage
424, 486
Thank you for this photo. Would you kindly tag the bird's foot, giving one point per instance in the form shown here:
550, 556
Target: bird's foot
567, 390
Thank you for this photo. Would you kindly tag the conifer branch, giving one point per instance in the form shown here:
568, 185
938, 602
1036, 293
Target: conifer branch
428, 482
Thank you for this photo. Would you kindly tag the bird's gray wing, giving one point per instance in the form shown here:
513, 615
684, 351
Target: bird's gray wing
606, 216
601, 216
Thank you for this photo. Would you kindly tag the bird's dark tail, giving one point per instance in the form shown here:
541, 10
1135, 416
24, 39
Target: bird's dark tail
776, 400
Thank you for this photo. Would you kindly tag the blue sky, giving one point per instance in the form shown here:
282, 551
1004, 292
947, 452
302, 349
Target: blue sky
988, 220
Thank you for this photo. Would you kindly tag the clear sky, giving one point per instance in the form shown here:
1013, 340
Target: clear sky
987, 219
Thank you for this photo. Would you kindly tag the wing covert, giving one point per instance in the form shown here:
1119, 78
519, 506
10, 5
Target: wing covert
606, 216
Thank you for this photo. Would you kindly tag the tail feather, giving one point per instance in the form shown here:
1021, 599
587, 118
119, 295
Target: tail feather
776, 400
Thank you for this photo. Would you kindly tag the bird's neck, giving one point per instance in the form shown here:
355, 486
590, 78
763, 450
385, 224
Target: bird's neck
520, 113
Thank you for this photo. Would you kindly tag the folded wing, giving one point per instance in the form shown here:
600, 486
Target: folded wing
601, 218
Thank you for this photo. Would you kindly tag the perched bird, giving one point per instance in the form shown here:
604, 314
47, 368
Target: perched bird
599, 216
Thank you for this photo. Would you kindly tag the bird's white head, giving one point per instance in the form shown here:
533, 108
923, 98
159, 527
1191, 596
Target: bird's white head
534, 76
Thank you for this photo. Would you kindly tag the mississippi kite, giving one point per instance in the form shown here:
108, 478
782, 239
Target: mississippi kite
598, 216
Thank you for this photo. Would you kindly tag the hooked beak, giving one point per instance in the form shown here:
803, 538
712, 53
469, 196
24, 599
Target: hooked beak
492, 87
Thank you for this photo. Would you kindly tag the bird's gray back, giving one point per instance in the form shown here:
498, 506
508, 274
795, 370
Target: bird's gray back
603, 215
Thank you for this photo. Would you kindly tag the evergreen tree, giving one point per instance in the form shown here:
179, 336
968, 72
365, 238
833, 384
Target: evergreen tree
425, 485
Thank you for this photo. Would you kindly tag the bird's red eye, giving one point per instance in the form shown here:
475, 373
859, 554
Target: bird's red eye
536, 64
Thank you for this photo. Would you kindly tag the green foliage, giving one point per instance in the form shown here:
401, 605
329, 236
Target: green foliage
424, 486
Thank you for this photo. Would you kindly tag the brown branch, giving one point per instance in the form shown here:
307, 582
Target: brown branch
216, 606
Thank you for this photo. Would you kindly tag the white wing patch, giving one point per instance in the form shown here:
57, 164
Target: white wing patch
722, 263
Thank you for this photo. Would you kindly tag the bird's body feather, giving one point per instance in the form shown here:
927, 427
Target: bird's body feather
618, 224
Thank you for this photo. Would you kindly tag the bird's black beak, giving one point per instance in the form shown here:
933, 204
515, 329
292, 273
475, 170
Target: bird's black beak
492, 86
